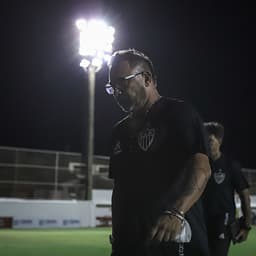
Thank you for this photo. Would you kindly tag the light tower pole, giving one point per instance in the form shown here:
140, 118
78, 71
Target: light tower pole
96, 40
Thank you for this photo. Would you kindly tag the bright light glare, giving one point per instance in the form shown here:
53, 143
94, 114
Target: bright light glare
84, 63
107, 58
96, 39
96, 62
81, 24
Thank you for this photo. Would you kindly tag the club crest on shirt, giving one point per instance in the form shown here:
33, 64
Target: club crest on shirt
222, 236
219, 176
117, 148
146, 138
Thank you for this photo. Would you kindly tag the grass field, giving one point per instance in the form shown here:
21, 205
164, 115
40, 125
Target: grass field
79, 242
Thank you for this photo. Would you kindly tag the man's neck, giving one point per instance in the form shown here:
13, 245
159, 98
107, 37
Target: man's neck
141, 113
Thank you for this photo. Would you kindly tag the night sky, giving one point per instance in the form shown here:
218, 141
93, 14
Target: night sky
201, 52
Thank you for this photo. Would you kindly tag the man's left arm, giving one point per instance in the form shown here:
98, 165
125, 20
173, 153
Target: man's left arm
192, 179
199, 167
198, 171
242, 188
244, 196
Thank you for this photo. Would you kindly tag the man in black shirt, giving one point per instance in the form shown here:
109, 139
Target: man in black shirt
159, 166
219, 203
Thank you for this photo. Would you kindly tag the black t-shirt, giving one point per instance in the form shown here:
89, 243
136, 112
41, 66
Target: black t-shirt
219, 203
147, 165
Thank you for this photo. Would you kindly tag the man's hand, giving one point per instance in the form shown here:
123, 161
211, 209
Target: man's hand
166, 229
242, 235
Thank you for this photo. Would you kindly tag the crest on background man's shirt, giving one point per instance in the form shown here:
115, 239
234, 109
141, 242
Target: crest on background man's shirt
219, 176
117, 148
146, 138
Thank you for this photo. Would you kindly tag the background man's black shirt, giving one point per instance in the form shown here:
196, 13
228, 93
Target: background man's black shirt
219, 203
148, 168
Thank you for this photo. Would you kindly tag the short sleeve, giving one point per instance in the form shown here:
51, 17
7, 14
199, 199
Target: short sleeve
239, 181
116, 150
193, 133
110, 171
113, 148
200, 141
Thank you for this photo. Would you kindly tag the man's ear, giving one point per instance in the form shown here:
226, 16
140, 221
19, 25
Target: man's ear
148, 79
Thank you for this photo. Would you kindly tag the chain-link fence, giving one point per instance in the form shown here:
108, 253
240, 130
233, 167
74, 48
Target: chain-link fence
250, 175
41, 174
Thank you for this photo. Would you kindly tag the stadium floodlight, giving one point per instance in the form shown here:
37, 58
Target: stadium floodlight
96, 39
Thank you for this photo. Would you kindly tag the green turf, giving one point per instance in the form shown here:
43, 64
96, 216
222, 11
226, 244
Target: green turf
247, 248
79, 242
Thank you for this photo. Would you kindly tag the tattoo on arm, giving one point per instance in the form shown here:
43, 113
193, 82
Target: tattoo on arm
197, 181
